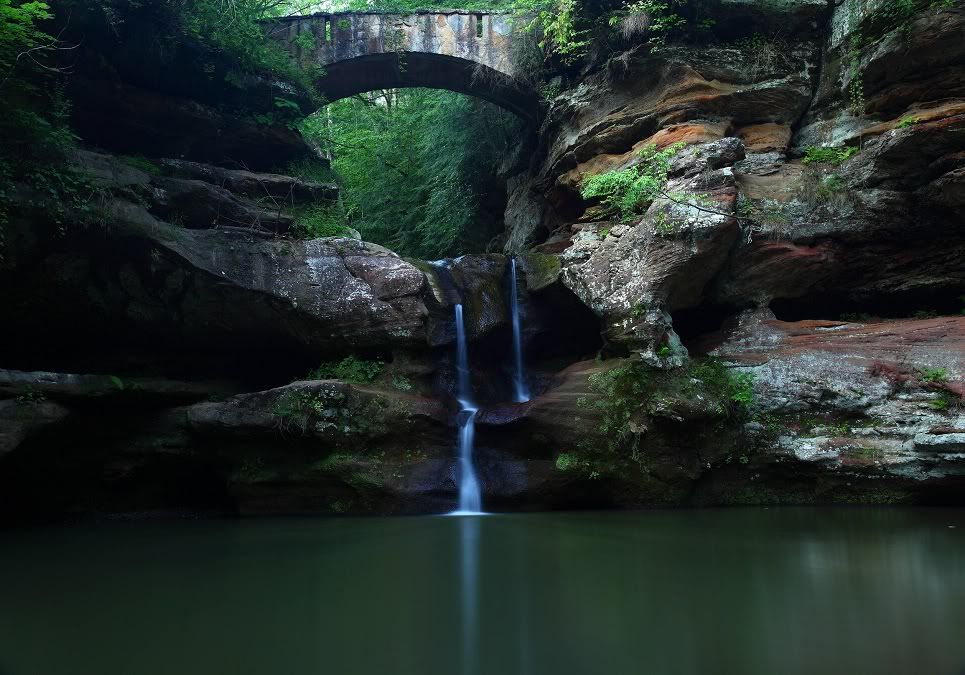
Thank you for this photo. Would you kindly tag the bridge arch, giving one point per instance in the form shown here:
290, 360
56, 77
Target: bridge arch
466, 52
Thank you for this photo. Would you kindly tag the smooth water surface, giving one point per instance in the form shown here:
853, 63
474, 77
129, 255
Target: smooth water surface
708, 592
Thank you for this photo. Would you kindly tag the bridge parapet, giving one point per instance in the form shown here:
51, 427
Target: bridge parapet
481, 37
461, 50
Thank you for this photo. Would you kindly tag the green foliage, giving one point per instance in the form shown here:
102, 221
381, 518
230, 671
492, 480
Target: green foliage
415, 167
617, 394
942, 402
742, 389
629, 192
663, 223
829, 186
897, 14
557, 22
31, 395
907, 121
36, 142
828, 155
655, 17
305, 41
565, 461
721, 382
620, 393
319, 220
851, 61
141, 163
299, 409
402, 383
349, 369
934, 375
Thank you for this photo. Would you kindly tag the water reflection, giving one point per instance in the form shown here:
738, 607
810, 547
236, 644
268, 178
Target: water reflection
469, 577
755, 591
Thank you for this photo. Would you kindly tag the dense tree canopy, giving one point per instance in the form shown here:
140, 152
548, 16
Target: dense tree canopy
416, 166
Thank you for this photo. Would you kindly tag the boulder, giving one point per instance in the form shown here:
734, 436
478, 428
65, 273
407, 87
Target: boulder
21, 418
630, 273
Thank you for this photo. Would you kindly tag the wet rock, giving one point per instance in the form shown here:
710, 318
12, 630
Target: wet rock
325, 290
944, 442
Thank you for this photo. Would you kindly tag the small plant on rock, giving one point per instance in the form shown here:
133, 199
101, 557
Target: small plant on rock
628, 192
830, 186
907, 121
402, 383
943, 402
934, 375
349, 369
565, 461
315, 222
31, 395
828, 155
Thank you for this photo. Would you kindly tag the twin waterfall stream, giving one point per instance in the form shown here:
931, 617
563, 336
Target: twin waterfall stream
470, 498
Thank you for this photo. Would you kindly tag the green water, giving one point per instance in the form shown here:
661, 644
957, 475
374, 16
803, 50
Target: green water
703, 592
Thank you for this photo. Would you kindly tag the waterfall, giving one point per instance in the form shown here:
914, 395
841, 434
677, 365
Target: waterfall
520, 390
469, 497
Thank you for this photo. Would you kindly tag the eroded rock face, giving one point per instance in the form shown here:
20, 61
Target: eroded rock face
630, 273
816, 410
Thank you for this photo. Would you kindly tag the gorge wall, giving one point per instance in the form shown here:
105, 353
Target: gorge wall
775, 329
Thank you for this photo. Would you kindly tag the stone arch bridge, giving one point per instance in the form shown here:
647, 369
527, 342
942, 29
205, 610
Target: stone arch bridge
459, 50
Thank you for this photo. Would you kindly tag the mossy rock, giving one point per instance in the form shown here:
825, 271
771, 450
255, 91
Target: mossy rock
541, 270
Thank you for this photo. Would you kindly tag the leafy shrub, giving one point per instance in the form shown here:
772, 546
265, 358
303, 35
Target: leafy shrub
907, 121
742, 389
314, 222
656, 18
557, 22
828, 155
719, 380
630, 191
37, 143
349, 369
934, 375
617, 394
565, 461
